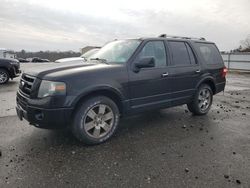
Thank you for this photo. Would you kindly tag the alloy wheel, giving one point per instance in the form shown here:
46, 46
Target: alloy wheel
3, 77
204, 99
98, 121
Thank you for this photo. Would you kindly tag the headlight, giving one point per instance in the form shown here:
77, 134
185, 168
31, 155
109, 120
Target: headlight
49, 88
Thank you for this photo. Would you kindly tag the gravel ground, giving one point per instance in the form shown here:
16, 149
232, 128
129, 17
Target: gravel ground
165, 148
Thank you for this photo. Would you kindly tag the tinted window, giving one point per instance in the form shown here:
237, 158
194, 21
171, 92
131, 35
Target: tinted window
179, 53
191, 54
155, 49
210, 53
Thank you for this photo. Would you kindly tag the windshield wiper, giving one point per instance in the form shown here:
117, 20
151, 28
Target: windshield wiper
100, 59
84, 58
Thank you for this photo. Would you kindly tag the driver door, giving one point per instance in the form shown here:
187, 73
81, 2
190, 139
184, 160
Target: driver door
150, 87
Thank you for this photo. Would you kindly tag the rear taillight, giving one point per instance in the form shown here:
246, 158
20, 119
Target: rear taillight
224, 72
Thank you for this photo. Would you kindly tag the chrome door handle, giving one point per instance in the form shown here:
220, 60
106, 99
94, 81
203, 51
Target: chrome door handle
198, 71
164, 74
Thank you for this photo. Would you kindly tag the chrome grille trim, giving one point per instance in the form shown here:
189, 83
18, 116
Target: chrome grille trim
26, 84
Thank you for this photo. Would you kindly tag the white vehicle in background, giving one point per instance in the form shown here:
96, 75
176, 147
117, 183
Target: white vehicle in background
80, 59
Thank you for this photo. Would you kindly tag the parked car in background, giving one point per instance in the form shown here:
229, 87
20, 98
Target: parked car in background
80, 59
9, 69
39, 60
22, 60
36, 60
45, 60
124, 77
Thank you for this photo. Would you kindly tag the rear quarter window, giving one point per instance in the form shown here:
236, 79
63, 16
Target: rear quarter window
209, 53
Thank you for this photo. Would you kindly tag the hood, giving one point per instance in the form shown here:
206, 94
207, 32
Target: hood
70, 60
40, 70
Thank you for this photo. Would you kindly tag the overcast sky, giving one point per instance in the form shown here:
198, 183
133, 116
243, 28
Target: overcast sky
72, 24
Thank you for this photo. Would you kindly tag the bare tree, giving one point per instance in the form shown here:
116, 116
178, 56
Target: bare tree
246, 44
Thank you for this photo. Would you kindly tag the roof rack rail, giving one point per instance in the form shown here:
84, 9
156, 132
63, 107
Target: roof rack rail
180, 37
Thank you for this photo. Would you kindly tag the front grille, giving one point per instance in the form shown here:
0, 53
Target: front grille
26, 84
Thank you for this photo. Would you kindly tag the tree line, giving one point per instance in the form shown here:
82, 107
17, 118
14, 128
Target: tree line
50, 55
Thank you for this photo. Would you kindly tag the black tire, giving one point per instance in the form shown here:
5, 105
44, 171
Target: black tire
196, 105
82, 119
5, 79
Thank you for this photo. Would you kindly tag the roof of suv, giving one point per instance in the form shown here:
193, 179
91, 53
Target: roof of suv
169, 37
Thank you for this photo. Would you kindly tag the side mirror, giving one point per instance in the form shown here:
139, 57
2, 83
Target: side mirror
145, 62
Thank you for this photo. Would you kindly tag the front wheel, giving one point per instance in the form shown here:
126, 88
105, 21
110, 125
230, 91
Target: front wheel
4, 76
96, 120
202, 101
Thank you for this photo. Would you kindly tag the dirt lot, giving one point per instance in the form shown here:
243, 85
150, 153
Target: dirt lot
167, 148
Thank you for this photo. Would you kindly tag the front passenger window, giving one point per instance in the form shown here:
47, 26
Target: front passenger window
155, 49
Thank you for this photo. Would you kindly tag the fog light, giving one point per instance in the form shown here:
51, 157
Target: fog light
39, 115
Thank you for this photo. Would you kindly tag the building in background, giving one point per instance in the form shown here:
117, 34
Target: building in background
7, 53
87, 48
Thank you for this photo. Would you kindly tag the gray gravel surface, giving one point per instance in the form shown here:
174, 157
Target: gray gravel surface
165, 148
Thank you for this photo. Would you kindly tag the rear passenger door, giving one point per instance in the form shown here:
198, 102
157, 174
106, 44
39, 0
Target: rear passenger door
184, 71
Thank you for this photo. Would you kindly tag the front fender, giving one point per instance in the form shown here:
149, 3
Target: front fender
88, 90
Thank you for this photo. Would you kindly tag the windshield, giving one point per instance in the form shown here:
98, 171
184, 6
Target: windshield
117, 51
89, 53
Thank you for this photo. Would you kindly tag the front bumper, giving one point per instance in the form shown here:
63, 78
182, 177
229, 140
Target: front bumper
15, 72
42, 117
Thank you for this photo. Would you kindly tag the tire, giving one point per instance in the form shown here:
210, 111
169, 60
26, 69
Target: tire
96, 120
202, 100
4, 76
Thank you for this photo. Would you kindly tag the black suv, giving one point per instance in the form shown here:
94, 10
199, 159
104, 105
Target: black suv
124, 77
9, 69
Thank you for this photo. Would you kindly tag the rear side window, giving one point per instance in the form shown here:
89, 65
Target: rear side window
180, 54
210, 53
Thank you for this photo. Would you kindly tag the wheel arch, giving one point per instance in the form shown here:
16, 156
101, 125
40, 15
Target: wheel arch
109, 92
6, 69
209, 81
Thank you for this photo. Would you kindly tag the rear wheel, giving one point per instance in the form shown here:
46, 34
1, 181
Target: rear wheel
96, 120
202, 101
4, 76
